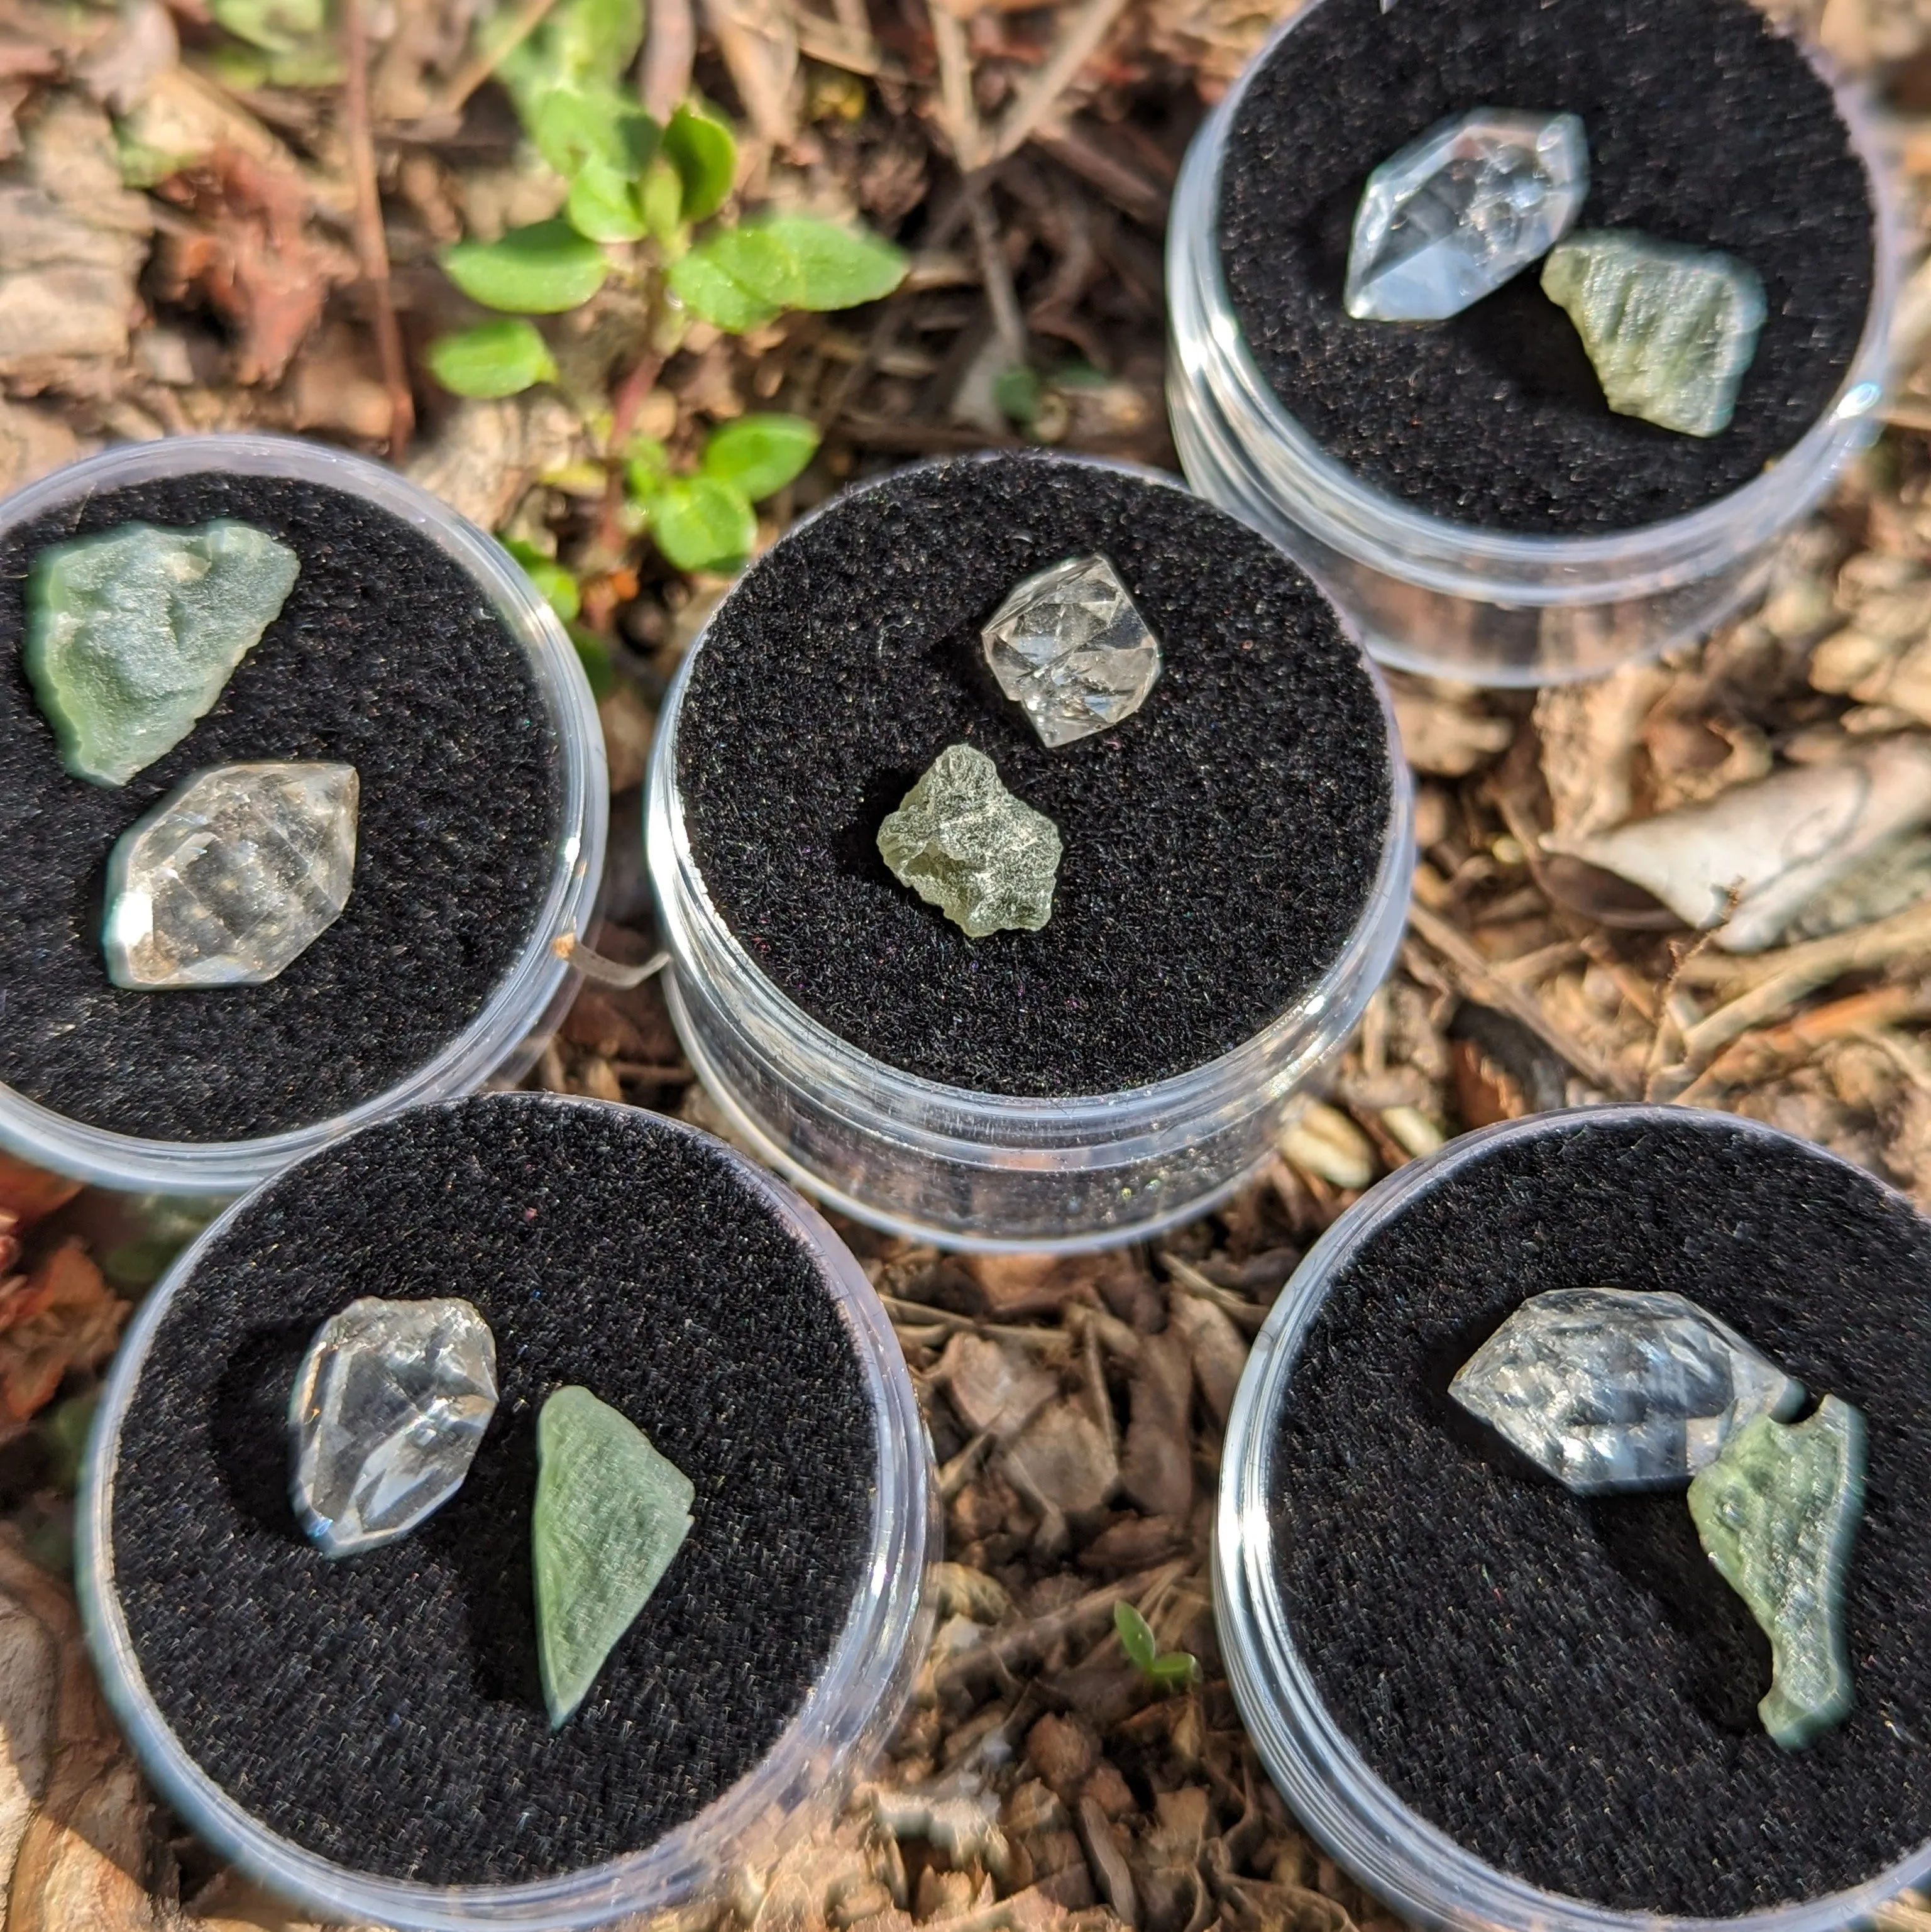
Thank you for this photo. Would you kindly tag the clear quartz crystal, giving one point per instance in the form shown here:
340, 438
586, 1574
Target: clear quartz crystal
1672, 331
612, 1513
232, 876
131, 634
1610, 1388
962, 842
1462, 210
392, 1399
1069, 646
1777, 1512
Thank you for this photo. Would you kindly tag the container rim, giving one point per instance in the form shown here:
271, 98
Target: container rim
867, 1090
133, 1162
1375, 529
848, 1710
1427, 1877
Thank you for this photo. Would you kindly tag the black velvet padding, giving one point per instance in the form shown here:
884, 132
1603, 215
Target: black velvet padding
1221, 844
386, 656
383, 1710
1706, 126
1565, 1686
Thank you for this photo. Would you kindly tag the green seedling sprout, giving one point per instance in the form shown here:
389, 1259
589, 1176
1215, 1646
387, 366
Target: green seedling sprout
1165, 1670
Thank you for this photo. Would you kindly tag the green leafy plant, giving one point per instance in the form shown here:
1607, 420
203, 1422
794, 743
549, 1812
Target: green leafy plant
702, 519
637, 194
1167, 1670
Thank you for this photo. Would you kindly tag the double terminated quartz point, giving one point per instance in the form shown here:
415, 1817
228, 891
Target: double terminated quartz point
232, 876
392, 1400
1609, 1388
1069, 646
1466, 207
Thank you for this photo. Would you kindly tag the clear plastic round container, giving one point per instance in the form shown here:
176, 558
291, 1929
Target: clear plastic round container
1419, 1871
801, 1781
991, 1172
1452, 600
496, 1037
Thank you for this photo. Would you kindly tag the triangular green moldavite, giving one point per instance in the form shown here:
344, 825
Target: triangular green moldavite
610, 1514
131, 634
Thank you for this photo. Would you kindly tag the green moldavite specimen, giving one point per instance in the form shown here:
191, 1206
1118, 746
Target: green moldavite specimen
961, 841
1671, 330
131, 634
610, 1514
1777, 1511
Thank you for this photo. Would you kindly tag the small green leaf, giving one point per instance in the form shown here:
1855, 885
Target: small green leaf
700, 523
554, 584
759, 454
646, 466
1017, 394
836, 267
593, 654
1174, 1669
604, 205
705, 153
711, 280
1136, 1635
574, 126
540, 270
494, 358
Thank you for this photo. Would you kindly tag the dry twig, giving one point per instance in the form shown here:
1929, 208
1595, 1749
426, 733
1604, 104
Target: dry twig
372, 244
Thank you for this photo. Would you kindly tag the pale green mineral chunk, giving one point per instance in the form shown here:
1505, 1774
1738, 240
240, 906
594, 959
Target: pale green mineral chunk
1776, 1511
960, 840
131, 634
610, 1514
1671, 330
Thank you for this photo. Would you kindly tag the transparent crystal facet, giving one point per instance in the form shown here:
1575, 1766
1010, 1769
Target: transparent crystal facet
1672, 331
1777, 1512
962, 842
1461, 211
131, 634
392, 1399
1612, 1388
1070, 645
612, 1513
232, 876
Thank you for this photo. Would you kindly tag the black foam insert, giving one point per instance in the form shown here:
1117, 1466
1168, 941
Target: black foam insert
1706, 127
386, 656
1565, 1686
1219, 844
384, 1710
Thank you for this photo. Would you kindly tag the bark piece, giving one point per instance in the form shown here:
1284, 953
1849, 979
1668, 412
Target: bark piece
1156, 1470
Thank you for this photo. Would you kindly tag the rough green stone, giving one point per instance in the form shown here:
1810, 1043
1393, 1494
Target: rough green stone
960, 840
1777, 1511
610, 1514
1671, 330
131, 634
